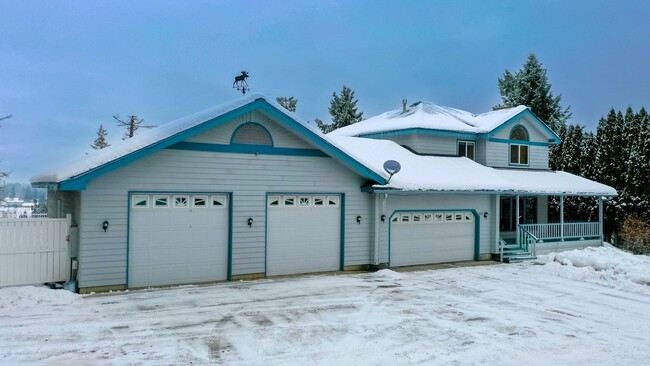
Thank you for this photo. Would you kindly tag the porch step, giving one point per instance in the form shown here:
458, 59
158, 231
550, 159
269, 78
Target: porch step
511, 256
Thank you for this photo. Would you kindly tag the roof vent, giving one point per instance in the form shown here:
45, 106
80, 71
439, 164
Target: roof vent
499, 107
404, 105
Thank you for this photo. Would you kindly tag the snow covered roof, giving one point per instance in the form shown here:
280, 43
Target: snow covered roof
168, 133
431, 116
460, 174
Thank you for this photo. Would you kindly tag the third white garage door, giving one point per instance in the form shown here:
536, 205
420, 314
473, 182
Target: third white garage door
303, 233
431, 237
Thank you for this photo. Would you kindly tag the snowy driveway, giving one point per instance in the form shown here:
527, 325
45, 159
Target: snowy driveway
521, 314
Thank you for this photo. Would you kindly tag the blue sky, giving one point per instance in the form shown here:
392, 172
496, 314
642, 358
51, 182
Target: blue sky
67, 66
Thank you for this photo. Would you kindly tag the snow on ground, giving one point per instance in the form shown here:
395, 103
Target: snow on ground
580, 307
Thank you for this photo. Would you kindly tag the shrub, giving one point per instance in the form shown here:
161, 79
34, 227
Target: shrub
635, 235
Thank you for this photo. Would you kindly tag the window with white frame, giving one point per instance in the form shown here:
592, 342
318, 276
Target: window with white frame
140, 201
199, 201
181, 201
333, 201
466, 149
274, 201
319, 201
218, 201
289, 201
519, 152
161, 201
304, 201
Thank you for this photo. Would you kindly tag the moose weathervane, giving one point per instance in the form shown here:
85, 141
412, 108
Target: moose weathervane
240, 82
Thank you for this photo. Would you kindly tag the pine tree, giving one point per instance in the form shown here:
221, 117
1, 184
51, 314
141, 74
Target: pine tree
529, 86
587, 156
636, 195
343, 109
100, 141
571, 149
132, 125
555, 161
289, 103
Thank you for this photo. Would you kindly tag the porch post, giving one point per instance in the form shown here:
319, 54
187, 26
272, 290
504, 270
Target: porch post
600, 219
517, 220
497, 218
561, 218
377, 223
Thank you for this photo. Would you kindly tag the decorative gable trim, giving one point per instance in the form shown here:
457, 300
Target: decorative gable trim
80, 181
554, 138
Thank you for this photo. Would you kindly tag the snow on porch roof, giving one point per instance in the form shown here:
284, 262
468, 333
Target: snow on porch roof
431, 116
459, 174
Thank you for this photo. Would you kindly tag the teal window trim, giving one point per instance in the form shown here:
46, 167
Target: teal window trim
523, 128
266, 222
247, 149
477, 228
258, 125
510, 163
508, 141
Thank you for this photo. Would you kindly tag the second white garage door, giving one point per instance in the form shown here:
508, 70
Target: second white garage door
303, 233
431, 237
177, 238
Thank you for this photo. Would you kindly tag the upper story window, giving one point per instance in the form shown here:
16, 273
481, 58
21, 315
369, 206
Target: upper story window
466, 149
519, 152
251, 133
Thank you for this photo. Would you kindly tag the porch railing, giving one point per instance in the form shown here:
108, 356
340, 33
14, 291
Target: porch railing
560, 232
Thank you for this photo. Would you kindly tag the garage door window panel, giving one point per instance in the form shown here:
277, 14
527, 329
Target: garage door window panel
200, 201
140, 201
181, 201
161, 201
219, 201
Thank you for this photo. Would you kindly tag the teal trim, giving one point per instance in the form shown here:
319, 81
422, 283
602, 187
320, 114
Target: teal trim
128, 224
232, 137
518, 142
477, 228
266, 222
246, 149
424, 131
79, 182
555, 139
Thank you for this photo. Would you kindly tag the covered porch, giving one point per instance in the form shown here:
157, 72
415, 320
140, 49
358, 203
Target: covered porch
529, 225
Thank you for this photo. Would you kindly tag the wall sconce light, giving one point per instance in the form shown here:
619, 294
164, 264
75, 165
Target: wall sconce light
359, 219
383, 218
485, 214
250, 222
105, 225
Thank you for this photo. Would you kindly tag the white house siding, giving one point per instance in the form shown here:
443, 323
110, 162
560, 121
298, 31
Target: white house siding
428, 201
497, 155
427, 144
103, 255
280, 135
480, 151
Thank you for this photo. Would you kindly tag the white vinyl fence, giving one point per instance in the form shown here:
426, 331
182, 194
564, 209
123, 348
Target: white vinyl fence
34, 251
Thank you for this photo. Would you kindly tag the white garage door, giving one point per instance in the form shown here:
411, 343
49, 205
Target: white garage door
303, 234
431, 237
177, 238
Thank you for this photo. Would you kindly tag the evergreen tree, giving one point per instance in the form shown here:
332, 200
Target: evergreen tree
529, 86
571, 150
289, 103
343, 109
100, 141
587, 156
555, 161
132, 125
636, 194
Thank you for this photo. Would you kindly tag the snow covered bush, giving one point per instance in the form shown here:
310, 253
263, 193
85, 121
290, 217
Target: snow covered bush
635, 236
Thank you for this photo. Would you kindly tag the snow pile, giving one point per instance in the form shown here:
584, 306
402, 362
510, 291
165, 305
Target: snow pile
27, 296
607, 265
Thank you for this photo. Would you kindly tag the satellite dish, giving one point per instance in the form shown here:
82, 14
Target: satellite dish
391, 167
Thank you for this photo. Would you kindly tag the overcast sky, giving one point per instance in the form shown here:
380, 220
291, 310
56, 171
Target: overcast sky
67, 66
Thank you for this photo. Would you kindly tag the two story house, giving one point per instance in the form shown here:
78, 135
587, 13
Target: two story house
247, 190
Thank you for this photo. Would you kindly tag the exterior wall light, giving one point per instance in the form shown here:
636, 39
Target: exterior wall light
383, 218
250, 222
485, 214
359, 219
105, 225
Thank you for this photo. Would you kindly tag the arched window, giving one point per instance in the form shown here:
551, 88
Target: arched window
519, 152
251, 133
519, 133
